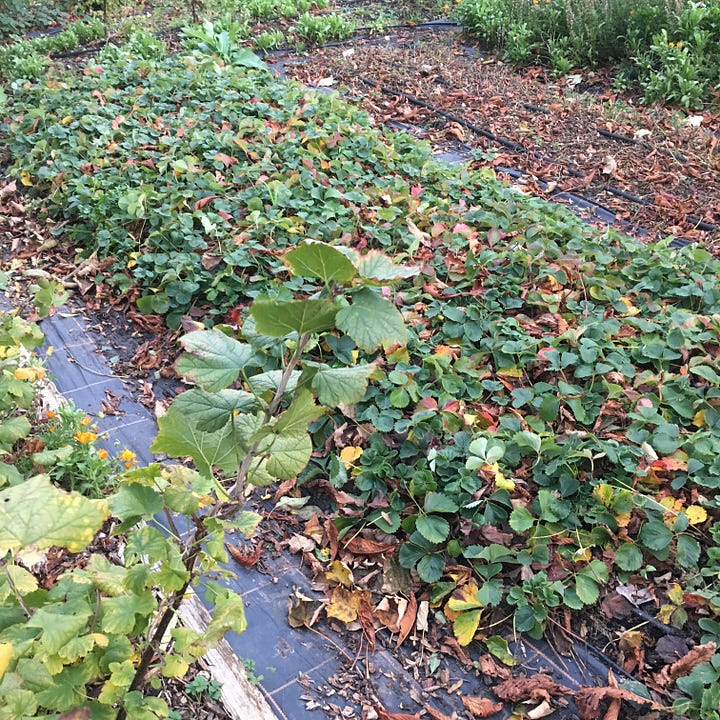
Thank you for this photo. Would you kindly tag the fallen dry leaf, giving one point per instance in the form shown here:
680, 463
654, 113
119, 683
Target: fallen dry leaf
540, 711
344, 604
489, 667
700, 654
588, 699
536, 687
385, 715
367, 620
481, 707
245, 557
303, 611
407, 621
364, 546
436, 714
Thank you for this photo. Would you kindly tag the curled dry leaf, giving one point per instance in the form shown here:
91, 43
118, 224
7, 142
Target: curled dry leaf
542, 710
536, 687
481, 707
588, 699
303, 611
383, 714
407, 621
367, 620
246, 557
436, 714
365, 546
700, 654
489, 667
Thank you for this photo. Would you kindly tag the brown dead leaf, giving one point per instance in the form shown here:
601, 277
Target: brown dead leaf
365, 546
588, 699
700, 654
536, 687
436, 714
245, 557
383, 714
332, 535
481, 707
111, 404
303, 611
407, 621
389, 611
489, 667
616, 606
284, 488
367, 620
493, 535
452, 647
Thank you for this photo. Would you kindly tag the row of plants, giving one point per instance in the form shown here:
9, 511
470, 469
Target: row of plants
29, 58
544, 408
666, 48
18, 16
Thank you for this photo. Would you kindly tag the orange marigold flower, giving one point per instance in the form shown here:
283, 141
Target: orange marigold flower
85, 437
86, 420
102, 453
50, 414
128, 457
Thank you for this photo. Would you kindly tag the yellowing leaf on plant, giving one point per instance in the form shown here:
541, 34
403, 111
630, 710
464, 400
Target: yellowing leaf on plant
25, 178
696, 514
604, 493
670, 503
349, 455
675, 594
463, 598
501, 482
465, 626
630, 310
6, 651
511, 372
623, 519
699, 419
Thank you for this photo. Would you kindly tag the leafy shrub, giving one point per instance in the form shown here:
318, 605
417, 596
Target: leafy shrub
319, 29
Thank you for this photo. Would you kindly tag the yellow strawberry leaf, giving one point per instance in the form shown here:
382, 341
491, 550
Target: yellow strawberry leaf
349, 455
465, 626
696, 514
699, 419
25, 178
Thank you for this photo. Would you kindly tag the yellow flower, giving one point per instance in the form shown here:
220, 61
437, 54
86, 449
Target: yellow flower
51, 414
86, 420
29, 373
671, 44
679, 44
85, 437
128, 457
102, 453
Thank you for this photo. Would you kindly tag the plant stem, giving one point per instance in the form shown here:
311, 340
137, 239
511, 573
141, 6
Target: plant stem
270, 410
168, 614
